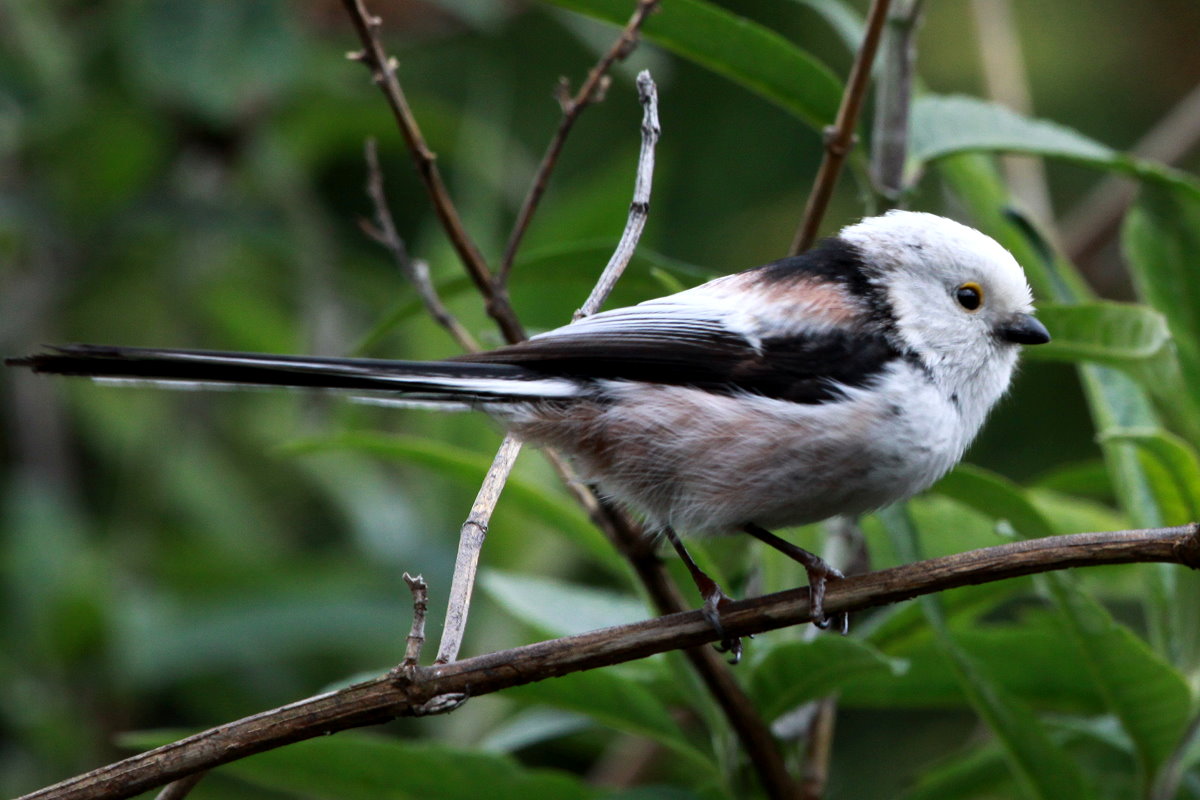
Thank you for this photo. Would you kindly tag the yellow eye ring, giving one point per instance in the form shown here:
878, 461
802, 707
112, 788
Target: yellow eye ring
969, 296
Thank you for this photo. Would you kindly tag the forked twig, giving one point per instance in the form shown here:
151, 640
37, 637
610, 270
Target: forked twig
416, 270
591, 91
383, 72
416, 634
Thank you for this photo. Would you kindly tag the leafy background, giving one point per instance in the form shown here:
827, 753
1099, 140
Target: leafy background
190, 174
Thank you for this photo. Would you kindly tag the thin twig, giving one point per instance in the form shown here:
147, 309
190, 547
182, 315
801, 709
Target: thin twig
470, 543
416, 635
474, 530
591, 91
383, 72
415, 270
893, 99
839, 139
639, 209
400, 692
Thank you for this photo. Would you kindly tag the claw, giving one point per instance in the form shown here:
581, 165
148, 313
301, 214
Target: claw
714, 600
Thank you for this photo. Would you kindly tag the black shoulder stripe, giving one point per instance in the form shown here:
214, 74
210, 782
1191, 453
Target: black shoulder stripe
800, 369
831, 259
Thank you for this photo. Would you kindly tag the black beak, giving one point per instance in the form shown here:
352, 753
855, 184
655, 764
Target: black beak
1023, 329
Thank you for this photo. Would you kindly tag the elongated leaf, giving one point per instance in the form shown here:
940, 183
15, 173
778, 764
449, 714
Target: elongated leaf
558, 608
1041, 768
947, 124
741, 50
351, 766
1114, 334
1033, 661
1129, 337
1161, 241
1149, 696
845, 21
621, 703
796, 672
470, 466
943, 125
1177, 488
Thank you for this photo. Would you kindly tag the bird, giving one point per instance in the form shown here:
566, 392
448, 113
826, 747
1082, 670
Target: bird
833, 382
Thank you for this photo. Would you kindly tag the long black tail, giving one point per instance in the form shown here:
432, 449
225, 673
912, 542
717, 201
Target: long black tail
418, 380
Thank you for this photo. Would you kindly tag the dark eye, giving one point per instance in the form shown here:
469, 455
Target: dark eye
969, 296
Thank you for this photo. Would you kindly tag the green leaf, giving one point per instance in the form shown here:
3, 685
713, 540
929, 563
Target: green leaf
469, 466
1033, 661
350, 766
743, 51
796, 672
1150, 697
1175, 476
1124, 336
846, 22
987, 492
1041, 768
943, 125
947, 124
558, 608
1161, 242
616, 701
1113, 334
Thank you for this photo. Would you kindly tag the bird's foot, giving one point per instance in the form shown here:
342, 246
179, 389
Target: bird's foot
714, 600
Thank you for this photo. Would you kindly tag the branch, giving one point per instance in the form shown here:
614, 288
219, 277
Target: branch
474, 530
839, 139
407, 690
414, 269
639, 208
383, 72
592, 91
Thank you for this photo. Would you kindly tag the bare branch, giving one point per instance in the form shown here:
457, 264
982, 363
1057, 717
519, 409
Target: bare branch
470, 543
474, 530
403, 691
592, 91
415, 270
839, 139
383, 72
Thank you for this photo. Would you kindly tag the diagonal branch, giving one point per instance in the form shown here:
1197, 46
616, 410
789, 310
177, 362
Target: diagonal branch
592, 91
406, 690
839, 139
474, 530
383, 72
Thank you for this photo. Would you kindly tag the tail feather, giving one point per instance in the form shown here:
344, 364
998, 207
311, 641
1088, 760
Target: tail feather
430, 380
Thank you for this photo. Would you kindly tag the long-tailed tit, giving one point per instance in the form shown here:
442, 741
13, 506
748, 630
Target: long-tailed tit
833, 382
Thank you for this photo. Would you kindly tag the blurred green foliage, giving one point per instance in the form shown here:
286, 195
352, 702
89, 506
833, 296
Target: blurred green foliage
190, 174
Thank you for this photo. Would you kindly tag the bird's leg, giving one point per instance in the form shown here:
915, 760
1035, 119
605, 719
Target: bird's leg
819, 572
714, 597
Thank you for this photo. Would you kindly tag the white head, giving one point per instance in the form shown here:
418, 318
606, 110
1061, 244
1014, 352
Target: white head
960, 300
